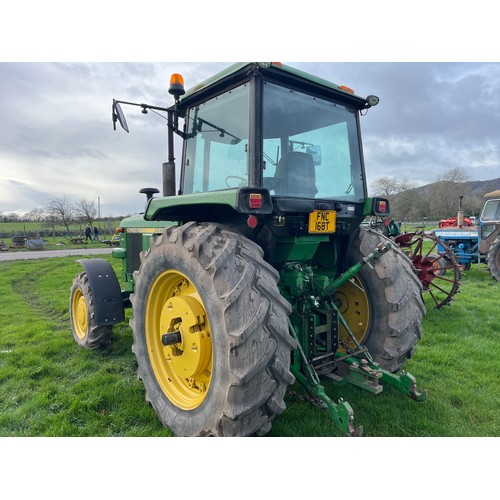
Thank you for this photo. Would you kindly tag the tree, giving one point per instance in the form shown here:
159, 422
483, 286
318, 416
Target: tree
445, 194
389, 186
36, 214
61, 210
385, 186
457, 174
86, 211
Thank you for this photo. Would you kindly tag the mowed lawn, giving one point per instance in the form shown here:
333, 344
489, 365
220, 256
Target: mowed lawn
51, 387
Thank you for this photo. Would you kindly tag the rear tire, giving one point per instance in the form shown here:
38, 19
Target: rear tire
82, 311
395, 303
493, 259
211, 286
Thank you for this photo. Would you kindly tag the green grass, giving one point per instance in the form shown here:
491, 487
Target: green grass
44, 231
48, 385
61, 244
51, 387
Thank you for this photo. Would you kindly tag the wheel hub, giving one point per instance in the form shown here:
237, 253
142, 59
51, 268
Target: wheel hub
352, 303
184, 317
80, 314
179, 340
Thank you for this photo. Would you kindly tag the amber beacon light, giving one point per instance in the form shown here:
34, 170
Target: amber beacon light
176, 85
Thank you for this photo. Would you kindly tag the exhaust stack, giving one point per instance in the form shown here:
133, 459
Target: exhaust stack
460, 214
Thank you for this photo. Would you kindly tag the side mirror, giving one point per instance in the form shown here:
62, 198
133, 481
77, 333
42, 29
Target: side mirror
117, 115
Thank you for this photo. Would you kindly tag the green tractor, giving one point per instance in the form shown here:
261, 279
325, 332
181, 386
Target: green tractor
252, 271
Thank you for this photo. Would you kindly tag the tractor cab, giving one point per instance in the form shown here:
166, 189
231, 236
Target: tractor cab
288, 137
489, 221
294, 144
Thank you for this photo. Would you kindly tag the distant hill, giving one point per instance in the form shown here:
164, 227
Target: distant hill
482, 187
441, 199
471, 188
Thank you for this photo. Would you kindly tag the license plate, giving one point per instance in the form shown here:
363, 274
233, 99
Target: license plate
322, 221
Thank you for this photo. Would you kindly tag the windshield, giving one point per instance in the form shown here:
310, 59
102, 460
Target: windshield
311, 147
491, 211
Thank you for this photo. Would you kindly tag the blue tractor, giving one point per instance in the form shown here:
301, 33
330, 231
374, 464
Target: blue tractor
476, 244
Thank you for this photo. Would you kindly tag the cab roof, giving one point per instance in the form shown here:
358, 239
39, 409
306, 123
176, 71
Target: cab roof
239, 71
493, 194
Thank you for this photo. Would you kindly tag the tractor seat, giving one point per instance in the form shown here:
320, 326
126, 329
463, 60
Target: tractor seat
296, 175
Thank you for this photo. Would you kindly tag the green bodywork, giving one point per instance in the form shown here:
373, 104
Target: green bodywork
135, 237
227, 199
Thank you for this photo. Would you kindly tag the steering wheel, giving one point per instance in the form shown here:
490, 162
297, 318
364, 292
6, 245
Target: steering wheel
237, 177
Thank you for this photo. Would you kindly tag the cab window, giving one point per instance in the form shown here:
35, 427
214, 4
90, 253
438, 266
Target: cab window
217, 144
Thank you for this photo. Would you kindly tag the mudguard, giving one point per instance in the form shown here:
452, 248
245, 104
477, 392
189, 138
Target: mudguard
106, 291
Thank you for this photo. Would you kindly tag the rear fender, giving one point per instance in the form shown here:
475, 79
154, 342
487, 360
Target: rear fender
105, 290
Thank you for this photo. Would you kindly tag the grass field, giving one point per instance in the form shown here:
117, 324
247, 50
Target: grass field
45, 231
43, 227
51, 387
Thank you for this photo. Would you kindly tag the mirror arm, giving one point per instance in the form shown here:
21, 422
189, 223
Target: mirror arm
143, 106
174, 126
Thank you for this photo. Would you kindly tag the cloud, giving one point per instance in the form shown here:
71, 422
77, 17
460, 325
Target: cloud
15, 192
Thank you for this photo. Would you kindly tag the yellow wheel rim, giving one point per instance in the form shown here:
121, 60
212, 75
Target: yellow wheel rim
182, 369
352, 302
80, 314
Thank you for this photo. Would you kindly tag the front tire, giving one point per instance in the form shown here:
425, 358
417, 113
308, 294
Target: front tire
226, 365
82, 311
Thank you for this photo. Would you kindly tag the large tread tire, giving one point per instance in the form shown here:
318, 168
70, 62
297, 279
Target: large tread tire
493, 259
251, 344
82, 312
395, 301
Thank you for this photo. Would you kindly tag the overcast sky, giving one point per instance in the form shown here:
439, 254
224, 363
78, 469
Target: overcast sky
56, 135
57, 139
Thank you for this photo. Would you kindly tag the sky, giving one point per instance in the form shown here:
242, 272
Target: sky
57, 139
437, 77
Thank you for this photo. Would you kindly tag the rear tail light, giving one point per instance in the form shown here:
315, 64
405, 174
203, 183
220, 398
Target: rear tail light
380, 206
255, 200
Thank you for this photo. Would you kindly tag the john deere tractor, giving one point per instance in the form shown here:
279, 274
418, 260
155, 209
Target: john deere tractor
252, 271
